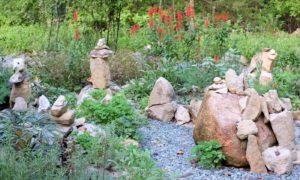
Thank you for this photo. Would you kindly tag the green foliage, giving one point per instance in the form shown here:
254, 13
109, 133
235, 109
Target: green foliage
99, 112
208, 154
128, 126
86, 141
4, 81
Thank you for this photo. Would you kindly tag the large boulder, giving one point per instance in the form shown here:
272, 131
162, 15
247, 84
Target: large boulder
278, 159
161, 93
217, 120
22, 89
164, 112
100, 73
254, 157
194, 108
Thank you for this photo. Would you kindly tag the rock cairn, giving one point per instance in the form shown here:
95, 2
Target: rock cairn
266, 60
162, 104
60, 112
21, 89
256, 130
100, 73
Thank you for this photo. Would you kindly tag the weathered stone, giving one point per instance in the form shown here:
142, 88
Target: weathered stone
264, 109
273, 101
222, 91
296, 115
17, 77
161, 93
65, 119
286, 104
217, 86
163, 112
245, 128
283, 127
265, 135
128, 142
20, 104
218, 80
235, 83
100, 73
22, 89
254, 157
79, 122
243, 103
182, 115
19, 64
268, 58
253, 108
44, 104
194, 108
278, 159
217, 120
59, 107
84, 94
265, 78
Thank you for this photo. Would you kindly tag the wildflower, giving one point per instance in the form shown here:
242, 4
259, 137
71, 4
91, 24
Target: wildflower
171, 10
160, 11
154, 9
75, 17
179, 16
190, 12
168, 19
151, 23
134, 28
159, 30
225, 17
150, 12
216, 59
77, 35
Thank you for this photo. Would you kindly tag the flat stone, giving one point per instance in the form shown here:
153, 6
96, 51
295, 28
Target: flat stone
20, 104
245, 128
59, 107
254, 156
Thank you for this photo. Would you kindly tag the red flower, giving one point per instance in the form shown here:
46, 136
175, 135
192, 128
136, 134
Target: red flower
218, 17
162, 18
179, 16
216, 59
190, 12
154, 9
178, 26
225, 17
159, 30
77, 35
168, 19
171, 10
160, 11
75, 17
151, 23
150, 12
206, 23
134, 28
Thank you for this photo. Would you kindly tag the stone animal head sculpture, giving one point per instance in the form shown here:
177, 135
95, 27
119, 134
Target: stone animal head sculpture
19, 64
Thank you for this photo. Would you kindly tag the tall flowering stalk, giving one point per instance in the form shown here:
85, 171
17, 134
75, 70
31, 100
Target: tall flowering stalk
75, 19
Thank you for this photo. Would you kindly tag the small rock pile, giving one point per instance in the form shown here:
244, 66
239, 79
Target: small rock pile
21, 89
60, 112
254, 130
162, 104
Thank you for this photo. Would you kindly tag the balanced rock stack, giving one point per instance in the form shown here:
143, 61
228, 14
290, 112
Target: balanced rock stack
100, 73
254, 130
266, 59
60, 112
21, 89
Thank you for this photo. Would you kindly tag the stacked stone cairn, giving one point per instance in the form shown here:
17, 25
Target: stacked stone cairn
100, 73
256, 130
60, 112
162, 104
21, 88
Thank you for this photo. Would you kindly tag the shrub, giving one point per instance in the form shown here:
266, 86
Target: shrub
86, 141
4, 81
208, 154
102, 113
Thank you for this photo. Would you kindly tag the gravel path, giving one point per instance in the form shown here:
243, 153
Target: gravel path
166, 141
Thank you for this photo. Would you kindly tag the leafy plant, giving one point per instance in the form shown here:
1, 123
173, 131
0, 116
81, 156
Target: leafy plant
4, 78
86, 141
208, 154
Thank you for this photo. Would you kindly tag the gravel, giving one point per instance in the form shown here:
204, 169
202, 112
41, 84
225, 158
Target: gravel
166, 143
